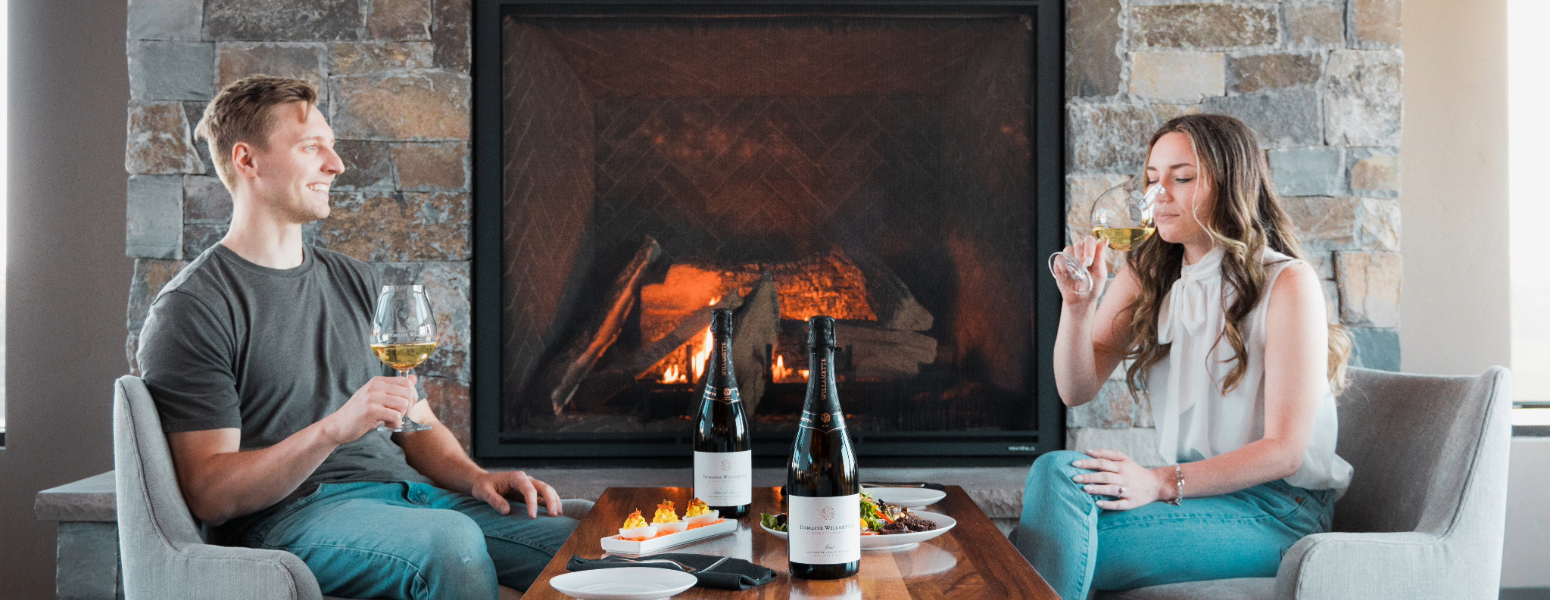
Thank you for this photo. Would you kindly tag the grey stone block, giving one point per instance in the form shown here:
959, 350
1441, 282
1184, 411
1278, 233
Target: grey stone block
1203, 25
282, 20
171, 70
1112, 137
1282, 119
1363, 103
1375, 172
198, 237
1093, 66
367, 166
160, 141
155, 216
86, 566
449, 33
193, 112
205, 200
175, 20
1375, 348
1316, 171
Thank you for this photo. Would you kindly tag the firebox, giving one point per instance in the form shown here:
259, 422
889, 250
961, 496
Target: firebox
894, 165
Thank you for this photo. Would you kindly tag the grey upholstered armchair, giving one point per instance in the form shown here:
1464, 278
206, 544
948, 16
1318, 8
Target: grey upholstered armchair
1425, 513
160, 543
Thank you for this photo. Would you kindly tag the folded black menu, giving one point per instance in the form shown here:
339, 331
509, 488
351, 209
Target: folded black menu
734, 574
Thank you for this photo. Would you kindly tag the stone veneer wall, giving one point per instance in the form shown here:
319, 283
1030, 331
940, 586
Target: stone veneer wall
1319, 80
393, 76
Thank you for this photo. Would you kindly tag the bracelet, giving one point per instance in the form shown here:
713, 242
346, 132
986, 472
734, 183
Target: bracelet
1178, 482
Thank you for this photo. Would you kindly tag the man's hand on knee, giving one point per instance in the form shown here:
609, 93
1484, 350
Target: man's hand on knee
496, 488
381, 400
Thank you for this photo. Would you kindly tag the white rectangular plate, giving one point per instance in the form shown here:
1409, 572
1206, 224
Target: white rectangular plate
615, 545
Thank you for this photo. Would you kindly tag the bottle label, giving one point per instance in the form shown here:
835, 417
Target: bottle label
724, 478
823, 422
726, 395
824, 531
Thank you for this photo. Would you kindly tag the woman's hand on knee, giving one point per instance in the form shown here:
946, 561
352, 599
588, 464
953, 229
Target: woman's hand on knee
1118, 476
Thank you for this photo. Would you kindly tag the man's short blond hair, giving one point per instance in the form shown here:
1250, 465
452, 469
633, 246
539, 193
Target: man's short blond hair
242, 113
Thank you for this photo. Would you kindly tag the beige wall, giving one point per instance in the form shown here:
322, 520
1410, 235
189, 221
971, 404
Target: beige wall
68, 279
1456, 316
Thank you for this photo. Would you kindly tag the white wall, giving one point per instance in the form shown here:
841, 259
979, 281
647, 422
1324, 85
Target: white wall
1455, 311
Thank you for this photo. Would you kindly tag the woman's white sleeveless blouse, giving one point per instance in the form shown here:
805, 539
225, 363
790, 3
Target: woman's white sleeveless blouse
1195, 420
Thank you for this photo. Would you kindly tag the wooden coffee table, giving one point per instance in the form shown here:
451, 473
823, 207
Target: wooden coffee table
972, 561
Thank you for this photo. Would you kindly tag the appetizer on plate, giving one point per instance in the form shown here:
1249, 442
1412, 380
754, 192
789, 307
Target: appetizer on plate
635, 528
700, 514
666, 520
877, 518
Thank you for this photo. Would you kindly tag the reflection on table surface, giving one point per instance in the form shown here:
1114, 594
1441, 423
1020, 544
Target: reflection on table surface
973, 560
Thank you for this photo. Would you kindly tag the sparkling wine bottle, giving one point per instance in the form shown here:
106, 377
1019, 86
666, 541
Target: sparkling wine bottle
822, 490
723, 460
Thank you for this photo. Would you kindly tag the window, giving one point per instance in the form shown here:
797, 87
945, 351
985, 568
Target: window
1529, 207
4, 163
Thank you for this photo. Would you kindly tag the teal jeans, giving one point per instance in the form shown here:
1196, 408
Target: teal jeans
1078, 547
413, 541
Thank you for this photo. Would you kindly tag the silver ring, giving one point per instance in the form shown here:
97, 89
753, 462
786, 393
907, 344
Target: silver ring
1122, 491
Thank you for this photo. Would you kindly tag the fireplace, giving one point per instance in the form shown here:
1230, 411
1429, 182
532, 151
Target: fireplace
893, 165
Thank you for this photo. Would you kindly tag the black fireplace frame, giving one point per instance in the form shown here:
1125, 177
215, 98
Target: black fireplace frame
1047, 137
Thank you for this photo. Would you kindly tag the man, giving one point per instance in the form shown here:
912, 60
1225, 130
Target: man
258, 357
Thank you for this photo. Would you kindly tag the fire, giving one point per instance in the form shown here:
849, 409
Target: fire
696, 350
703, 355
780, 371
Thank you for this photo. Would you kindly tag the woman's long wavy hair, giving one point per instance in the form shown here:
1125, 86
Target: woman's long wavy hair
1245, 218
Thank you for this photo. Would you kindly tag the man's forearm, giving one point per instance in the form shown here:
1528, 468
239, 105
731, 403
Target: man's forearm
221, 485
437, 454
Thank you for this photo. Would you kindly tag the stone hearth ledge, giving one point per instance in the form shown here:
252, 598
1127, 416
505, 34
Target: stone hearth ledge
997, 490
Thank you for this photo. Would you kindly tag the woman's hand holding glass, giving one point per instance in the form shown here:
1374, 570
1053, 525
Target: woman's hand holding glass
1117, 476
1089, 254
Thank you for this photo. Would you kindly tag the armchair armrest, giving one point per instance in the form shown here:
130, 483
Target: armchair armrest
1374, 565
206, 571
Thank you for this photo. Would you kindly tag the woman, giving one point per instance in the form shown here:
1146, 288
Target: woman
1225, 330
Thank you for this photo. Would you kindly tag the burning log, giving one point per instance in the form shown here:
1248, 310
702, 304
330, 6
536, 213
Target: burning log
890, 298
754, 326
607, 383
572, 364
873, 351
880, 352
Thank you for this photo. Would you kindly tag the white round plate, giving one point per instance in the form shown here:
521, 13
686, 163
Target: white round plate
897, 541
623, 583
907, 497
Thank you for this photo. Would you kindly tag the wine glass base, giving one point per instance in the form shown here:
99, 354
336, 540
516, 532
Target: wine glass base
406, 426
1065, 267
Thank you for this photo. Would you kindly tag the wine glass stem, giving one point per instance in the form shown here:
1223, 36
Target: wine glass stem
406, 373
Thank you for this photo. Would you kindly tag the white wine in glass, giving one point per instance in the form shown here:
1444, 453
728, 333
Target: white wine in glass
403, 335
1122, 217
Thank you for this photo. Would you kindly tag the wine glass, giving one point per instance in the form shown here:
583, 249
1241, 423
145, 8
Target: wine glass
403, 335
1121, 216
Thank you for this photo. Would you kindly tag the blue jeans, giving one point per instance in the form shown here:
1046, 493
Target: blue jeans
412, 541
1078, 547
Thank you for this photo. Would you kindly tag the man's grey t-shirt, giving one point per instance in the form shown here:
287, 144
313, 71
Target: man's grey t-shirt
231, 344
